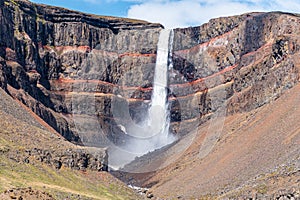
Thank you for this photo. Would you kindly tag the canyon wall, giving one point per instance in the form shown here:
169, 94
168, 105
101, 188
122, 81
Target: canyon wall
85, 74
239, 63
49, 53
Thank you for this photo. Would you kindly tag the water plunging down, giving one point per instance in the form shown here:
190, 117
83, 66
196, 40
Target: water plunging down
159, 119
153, 132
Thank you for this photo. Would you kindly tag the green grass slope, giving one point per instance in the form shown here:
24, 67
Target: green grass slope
19, 132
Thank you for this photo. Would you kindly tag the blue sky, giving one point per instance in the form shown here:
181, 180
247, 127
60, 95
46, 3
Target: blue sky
101, 7
175, 13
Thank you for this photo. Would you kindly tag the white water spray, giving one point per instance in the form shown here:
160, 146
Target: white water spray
159, 119
154, 131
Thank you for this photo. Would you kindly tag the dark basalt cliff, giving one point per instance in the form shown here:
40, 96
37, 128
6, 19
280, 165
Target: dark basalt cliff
240, 62
60, 62
43, 49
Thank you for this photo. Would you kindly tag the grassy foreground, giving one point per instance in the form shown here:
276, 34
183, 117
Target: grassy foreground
21, 132
62, 184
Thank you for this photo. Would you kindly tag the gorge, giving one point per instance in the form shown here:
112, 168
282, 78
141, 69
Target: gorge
230, 88
152, 131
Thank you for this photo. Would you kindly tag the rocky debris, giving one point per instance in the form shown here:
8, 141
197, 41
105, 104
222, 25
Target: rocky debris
280, 183
144, 192
292, 194
150, 195
139, 189
25, 194
77, 159
283, 194
12, 108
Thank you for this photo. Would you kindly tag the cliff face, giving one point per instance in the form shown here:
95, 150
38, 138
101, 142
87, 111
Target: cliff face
60, 62
43, 49
239, 63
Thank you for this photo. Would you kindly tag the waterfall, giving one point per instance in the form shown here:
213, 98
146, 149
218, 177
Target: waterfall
153, 132
159, 120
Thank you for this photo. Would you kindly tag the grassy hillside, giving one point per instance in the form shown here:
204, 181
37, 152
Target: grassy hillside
21, 132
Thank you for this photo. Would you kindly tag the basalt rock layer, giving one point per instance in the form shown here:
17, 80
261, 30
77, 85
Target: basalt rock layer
240, 63
48, 54
82, 73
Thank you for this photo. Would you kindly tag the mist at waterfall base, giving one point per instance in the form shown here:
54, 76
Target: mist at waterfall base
153, 131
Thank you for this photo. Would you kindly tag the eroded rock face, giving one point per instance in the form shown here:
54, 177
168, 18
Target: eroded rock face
78, 159
240, 62
2, 74
49, 53
31, 141
72, 67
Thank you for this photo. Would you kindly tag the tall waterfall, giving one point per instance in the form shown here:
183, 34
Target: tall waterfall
159, 119
153, 132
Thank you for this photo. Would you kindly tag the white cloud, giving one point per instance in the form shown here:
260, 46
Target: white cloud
183, 13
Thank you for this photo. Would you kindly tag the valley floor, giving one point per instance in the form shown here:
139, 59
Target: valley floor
257, 155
